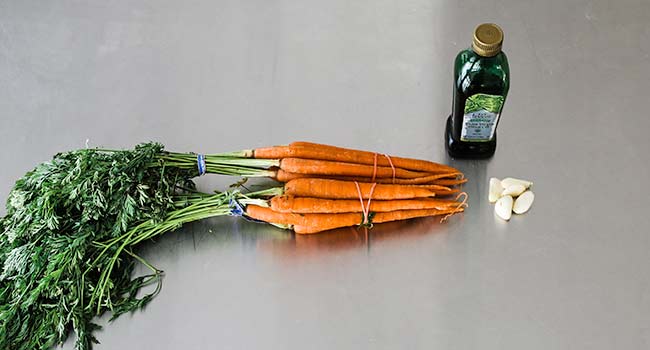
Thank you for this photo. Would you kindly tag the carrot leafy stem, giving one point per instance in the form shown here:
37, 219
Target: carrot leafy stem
67, 241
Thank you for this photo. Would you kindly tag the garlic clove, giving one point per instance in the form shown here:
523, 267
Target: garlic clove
495, 190
513, 190
523, 202
503, 207
509, 181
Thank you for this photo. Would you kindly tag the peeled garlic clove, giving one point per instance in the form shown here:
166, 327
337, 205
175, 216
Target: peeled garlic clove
509, 181
495, 190
503, 208
513, 190
523, 202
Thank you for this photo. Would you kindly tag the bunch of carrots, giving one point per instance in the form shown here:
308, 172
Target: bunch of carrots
68, 244
328, 187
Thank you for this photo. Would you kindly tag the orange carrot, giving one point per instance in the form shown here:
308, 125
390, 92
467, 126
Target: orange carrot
308, 205
269, 215
325, 152
324, 221
274, 152
324, 167
436, 188
285, 176
428, 179
439, 190
449, 182
454, 191
313, 223
335, 189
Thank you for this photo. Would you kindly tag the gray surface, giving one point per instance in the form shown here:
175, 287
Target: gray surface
224, 75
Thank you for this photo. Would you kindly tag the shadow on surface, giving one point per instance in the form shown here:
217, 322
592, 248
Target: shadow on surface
218, 233
352, 238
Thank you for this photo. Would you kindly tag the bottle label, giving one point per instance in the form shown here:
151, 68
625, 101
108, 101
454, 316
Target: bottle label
481, 116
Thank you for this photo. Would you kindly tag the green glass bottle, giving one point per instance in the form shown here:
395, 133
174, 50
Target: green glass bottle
481, 82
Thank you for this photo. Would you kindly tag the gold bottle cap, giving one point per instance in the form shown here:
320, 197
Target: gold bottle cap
488, 38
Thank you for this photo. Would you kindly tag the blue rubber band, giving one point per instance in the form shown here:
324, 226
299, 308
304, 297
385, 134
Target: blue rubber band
236, 209
200, 163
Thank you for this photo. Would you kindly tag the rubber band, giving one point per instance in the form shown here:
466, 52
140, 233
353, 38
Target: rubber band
462, 204
390, 161
236, 209
374, 169
365, 209
372, 190
200, 163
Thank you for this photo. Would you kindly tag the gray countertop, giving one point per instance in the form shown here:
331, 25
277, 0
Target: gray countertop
573, 273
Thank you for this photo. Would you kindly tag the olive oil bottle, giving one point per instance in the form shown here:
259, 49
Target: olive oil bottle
481, 82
